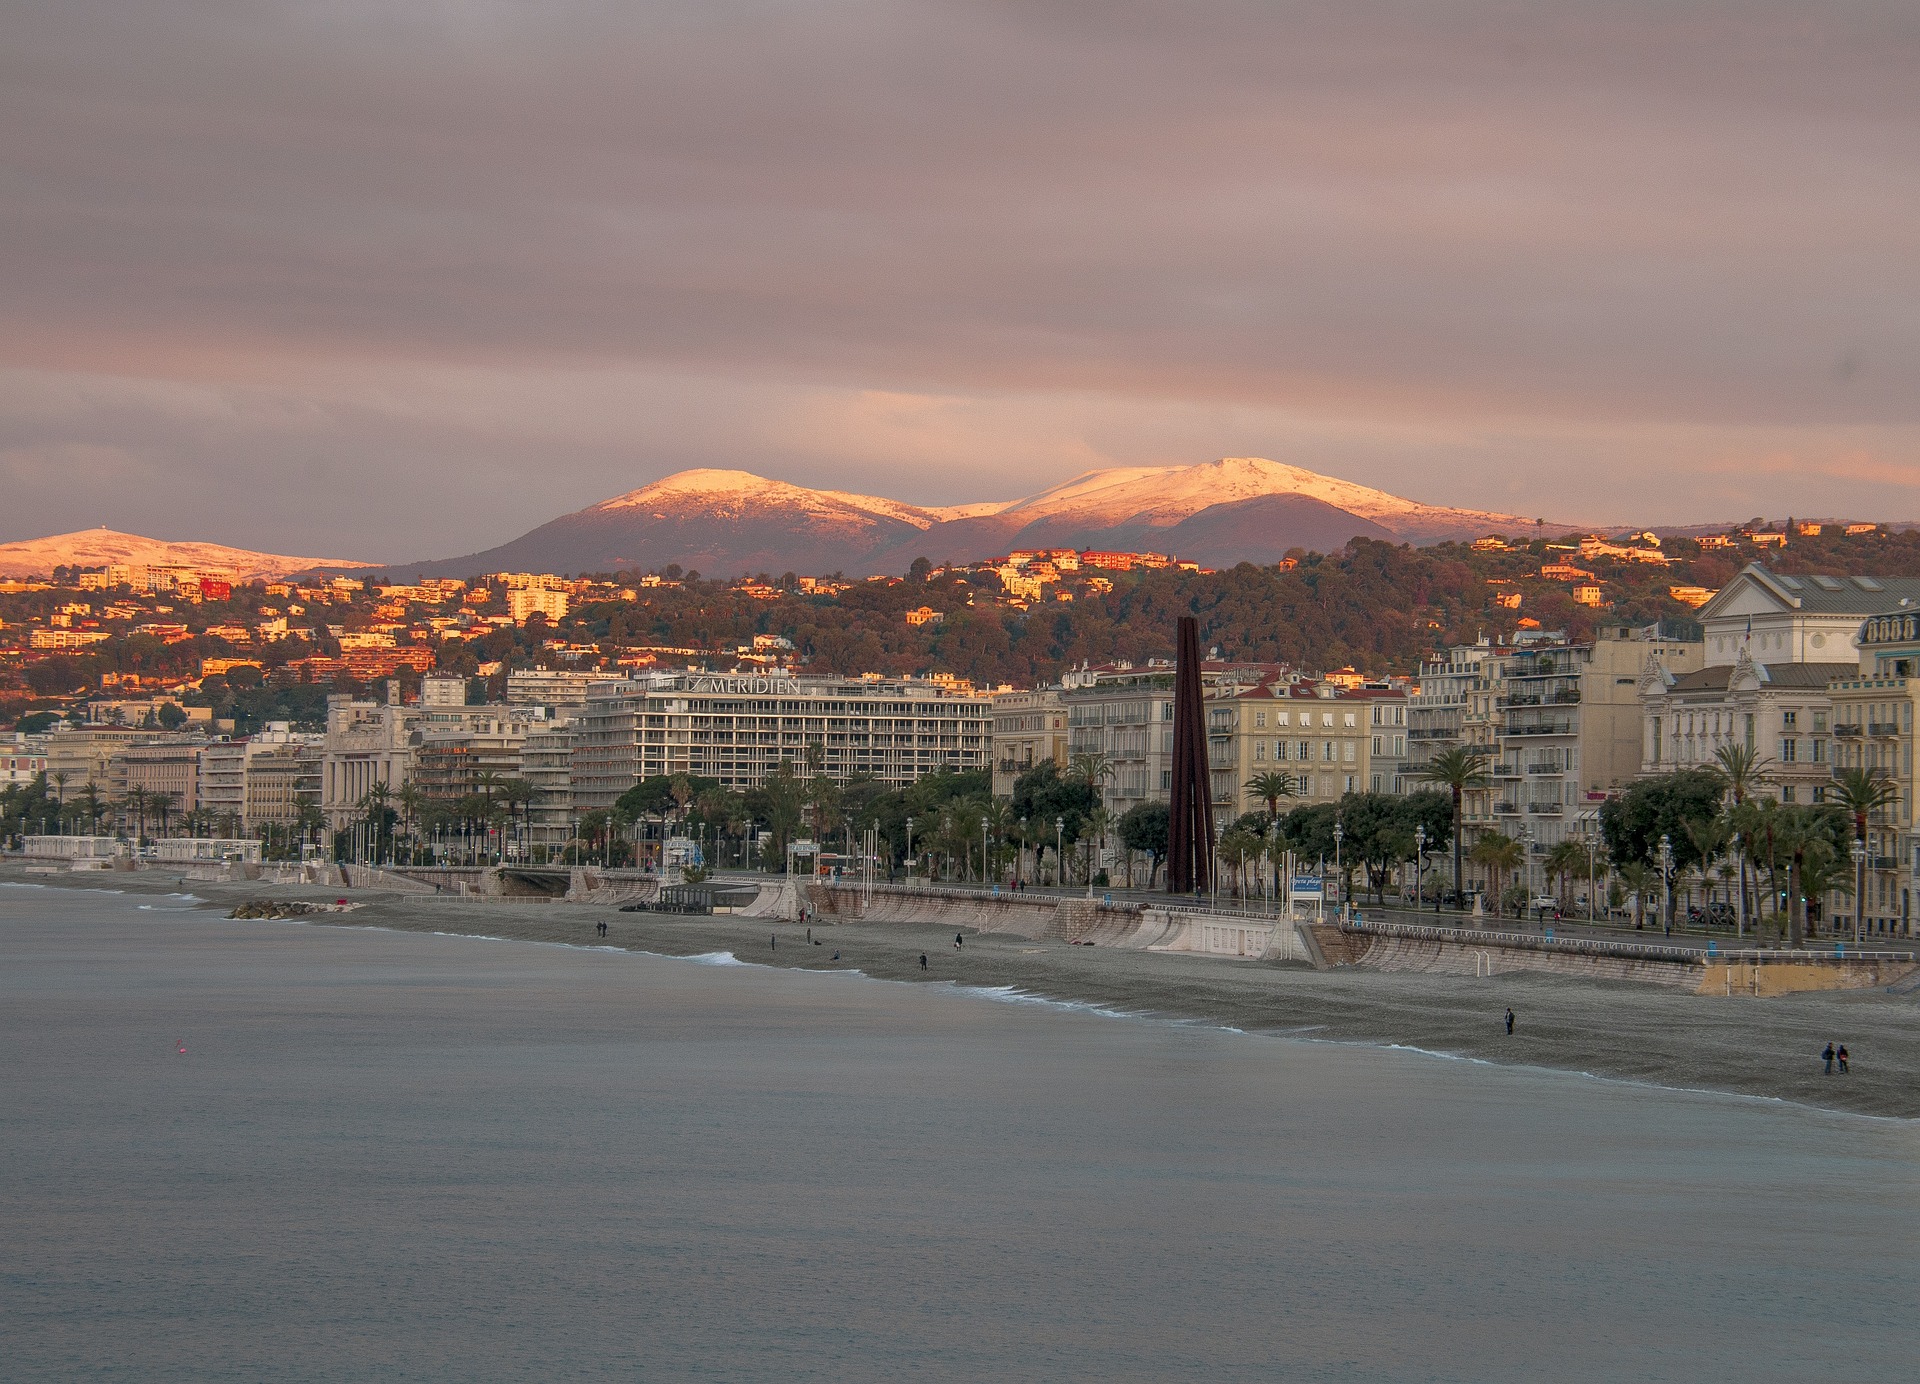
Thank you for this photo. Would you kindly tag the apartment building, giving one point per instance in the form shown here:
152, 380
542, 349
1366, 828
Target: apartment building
1126, 714
1873, 706
1560, 726
738, 729
546, 763
1320, 735
1029, 728
165, 771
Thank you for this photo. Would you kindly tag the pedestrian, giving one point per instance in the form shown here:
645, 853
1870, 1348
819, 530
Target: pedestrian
773, 942
923, 961
1827, 1057
836, 956
957, 940
1841, 1055
809, 934
1509, 1023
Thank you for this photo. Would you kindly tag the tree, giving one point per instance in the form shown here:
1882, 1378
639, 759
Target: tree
1143, 827
1653, 809
1043, 796
1457, 769
1501, 855
1271, 786
1637, 875
1568, 860
1379, 835
1743, 768
1860, 793
1094, 769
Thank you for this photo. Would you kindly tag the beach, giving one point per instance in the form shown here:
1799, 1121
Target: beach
1620, 1031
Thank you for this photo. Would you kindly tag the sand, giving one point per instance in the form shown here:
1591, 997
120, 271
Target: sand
1756, 1047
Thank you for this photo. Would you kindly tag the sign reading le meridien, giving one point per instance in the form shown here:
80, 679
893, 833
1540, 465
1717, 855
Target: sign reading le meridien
777, 687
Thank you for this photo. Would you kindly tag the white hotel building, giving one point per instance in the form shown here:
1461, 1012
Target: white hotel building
738, 729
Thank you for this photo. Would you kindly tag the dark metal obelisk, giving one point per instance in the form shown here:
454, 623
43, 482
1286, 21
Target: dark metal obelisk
1190, 827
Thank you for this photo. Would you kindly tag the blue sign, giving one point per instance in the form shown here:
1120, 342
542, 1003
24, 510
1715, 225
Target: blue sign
1306, 884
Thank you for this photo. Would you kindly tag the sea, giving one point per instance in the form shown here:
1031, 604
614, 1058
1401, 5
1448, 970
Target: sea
279, 1151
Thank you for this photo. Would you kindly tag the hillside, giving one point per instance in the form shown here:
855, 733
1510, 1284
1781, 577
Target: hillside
100, 547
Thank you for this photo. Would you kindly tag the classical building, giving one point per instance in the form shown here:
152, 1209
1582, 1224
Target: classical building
1775, 618
1029, 728
738, 729
165, 771
1780, 711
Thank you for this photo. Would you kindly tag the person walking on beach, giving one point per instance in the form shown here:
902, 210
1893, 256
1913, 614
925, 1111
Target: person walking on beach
1509, 1023
1841, 1055
957, 940
773, 942
1827, 1057
923, 961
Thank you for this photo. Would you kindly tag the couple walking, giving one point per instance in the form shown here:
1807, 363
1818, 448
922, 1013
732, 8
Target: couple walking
1832, 1055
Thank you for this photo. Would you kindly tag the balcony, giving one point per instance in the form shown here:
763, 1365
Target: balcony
1545, 809
1504, 771
1846, 732
1542, 728
1518, 699
1883, 728
1506, 809
1883, 862
1433, 733
1568, 698
1546, 768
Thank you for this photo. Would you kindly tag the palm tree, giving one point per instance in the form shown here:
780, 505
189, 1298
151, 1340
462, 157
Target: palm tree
1861, 793
161, 803
1093, 768
1270, 787
1743, 768
1567, 861
1638, 876
1710, 836
1501, 855
137, 805
1458, 768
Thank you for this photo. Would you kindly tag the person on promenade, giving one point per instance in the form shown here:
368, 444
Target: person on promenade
1841, 1055
923, 961
1827, 1057
1509, 1023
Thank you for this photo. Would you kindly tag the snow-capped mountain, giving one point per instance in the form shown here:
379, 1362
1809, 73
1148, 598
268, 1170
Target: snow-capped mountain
101, 547
724, 523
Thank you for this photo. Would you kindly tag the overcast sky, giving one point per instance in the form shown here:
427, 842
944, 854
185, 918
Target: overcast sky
390, 280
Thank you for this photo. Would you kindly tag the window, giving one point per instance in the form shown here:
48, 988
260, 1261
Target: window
1346, 750
1306, 750
1787, 794
1819, 754
1326, 720
1819, 721
1789, 751
1282, 718
1259, 749
1352, 781
1260, 719
1279, 751
1351, 723
1327, 751
1399, 746
1377, 742
1788, 718
1376, 783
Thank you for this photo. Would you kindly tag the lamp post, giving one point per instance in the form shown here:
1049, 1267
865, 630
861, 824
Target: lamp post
1059, 850
1339, 835
1859, 853
909, 848
1526, 865
1740, 889
1666, 885
983, 850
1419, 862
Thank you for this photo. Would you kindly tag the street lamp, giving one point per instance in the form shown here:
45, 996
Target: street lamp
983, 850
1740, 884
1060, 849
1420, 864
1020, 857
1338, 836
909, 848
1859, 853
1666, 884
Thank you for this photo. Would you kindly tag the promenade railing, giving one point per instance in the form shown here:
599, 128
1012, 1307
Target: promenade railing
1594, 946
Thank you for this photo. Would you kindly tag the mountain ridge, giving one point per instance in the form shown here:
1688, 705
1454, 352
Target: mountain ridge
101, 547
731, 523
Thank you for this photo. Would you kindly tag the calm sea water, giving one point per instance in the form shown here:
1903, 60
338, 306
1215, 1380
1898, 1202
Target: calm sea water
395, 1156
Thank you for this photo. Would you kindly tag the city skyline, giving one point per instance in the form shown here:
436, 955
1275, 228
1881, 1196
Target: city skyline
391, 285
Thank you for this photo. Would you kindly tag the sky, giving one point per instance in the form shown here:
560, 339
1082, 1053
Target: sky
391, 281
